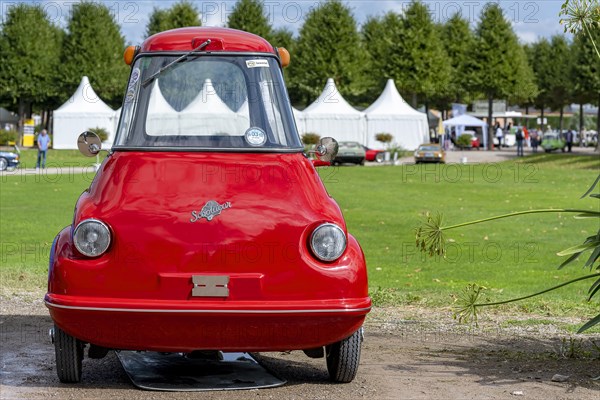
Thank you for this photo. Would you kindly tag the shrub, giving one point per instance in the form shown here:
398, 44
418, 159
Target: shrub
8, 136
101, 132
384, 137
310, 138
464, 141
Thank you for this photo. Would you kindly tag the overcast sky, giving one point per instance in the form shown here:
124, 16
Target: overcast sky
531, 19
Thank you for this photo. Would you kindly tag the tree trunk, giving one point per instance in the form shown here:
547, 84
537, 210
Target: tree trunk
581, 120
542, 119
414, 100
21, 122
490, 139
598, 125
562, 111
428, 127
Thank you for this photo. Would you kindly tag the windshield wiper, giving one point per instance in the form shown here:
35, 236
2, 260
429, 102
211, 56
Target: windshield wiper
169, 65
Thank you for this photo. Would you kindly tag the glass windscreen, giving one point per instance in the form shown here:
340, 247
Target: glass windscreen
205, 101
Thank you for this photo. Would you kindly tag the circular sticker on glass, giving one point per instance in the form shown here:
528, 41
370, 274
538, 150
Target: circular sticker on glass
256, 137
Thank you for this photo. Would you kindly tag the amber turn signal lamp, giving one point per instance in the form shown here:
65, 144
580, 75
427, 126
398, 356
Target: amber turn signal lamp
284, 56
129, 54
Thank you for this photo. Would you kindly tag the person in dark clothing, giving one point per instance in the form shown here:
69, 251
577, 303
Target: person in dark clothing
569, 139
520, 137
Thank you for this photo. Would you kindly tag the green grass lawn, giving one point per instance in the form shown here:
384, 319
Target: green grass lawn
57, 158
382, 206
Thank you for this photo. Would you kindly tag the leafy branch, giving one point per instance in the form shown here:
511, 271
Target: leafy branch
581, 16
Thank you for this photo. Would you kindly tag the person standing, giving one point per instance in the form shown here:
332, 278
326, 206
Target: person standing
43, 141
520, 137
569, 138
499, 135
534, 141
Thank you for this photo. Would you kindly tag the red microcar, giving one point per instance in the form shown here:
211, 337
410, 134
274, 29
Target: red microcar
206, 226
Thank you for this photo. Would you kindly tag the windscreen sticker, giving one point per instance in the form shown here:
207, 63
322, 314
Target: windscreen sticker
255, 137
135, 75
257, 63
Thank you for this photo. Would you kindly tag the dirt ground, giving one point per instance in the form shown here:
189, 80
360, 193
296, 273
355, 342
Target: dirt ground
408, 353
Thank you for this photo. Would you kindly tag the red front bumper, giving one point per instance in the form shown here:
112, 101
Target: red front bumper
174, 326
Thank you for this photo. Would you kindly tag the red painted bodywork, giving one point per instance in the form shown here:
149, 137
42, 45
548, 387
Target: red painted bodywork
138, 294
370, 154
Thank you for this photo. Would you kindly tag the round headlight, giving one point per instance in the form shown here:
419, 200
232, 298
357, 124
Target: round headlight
91, 237
328, 242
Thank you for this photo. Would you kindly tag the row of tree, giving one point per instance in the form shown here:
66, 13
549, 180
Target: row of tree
432, 64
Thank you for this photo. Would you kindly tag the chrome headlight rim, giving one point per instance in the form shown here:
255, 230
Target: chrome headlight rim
88, 221
312, 243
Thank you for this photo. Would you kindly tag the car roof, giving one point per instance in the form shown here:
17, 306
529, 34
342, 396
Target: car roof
222, 39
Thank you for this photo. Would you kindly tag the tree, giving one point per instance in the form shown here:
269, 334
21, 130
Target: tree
408, 49
94, 47
499, 62
418, 56
586, 72
328, 46
559, 90
30, 48
540, 56
180, 15
249, 16
459, 41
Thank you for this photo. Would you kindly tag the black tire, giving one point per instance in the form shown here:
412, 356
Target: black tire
69, 354
343, 358
3, 164
362, 162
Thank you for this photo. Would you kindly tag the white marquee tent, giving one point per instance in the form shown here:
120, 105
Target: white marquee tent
84, 110
162, 118
207, 114
331, 115
391, 114
469, 121
299, 117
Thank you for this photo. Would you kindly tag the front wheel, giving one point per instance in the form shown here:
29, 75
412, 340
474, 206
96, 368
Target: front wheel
379, 157
343, 358
3, 164
69, 354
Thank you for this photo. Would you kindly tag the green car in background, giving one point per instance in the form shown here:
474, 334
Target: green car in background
553, 141
350, 152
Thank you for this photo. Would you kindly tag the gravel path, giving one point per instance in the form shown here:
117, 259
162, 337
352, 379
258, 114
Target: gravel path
408, 353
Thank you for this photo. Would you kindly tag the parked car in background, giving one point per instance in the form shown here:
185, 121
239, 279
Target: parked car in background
430, 152
8, 159
374, 155
553, 141
350, 152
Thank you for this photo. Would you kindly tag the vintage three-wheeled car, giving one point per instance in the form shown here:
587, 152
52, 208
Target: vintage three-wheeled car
206, 226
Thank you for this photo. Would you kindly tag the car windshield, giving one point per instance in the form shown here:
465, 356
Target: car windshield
429, 148
207, 102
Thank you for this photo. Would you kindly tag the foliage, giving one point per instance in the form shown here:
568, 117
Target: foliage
8, 136
328, 47
459, 41
500, 68
559, 87
464, 141
408, 49
249, 16
586, 68
541, 61
384, 137
581, 16
30, 47
310, 138
101, 132
180, 15
430, 238
94, 47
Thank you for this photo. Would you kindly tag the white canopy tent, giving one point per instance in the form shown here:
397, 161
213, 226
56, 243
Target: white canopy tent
84, 110
466, 120
331, 115
299, 117
207, 114
391, 114
162, 118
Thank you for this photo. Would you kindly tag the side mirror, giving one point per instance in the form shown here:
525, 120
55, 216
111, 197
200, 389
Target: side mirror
326, 150
89, 144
